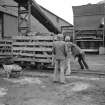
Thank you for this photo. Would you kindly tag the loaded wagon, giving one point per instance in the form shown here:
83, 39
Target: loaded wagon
33, 50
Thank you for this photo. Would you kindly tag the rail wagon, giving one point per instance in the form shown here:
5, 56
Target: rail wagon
33, 49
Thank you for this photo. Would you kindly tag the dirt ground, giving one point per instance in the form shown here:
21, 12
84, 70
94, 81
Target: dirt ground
96, 62
39, 89
42, 91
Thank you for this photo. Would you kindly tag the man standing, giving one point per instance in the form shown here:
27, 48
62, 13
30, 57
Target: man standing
60, 53
68, 47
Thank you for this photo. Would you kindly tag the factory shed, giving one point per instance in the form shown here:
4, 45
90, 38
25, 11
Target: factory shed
88, 20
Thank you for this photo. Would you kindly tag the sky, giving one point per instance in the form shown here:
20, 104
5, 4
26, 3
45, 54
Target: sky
63, 8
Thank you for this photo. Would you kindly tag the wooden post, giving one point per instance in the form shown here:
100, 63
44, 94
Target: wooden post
74, 36
104, 33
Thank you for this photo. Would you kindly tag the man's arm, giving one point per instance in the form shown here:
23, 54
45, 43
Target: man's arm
77, 47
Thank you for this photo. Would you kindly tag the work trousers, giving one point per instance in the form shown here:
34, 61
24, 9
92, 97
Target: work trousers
68, 66
59, 71
82, 62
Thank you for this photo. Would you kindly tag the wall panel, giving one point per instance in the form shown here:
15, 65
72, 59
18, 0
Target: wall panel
10, 25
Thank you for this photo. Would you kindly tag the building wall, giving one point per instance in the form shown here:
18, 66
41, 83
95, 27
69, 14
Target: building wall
89, 9
37, 27
11, 20
88, 16
10, 25
68, 31
87, 21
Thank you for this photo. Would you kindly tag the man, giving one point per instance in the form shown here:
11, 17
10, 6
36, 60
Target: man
78, 53
59, 52
68, 47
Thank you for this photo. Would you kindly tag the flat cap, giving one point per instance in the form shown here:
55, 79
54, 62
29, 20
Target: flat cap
67, 38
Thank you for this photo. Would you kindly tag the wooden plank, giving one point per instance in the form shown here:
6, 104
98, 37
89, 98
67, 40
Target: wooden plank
5, 52
43, 55
20, 37
5, 44
5, 47
35, 60
5, 40
90, 50
24, 54
34, 55
1, 45
88, 40
44, 60
32, 38
19, 45
23, 59
33, 43
32, 49
5, 55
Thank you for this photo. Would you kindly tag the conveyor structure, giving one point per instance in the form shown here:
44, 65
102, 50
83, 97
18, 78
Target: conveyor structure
28, 7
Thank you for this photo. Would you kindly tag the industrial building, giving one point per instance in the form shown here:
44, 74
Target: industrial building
88, 26
41, 20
